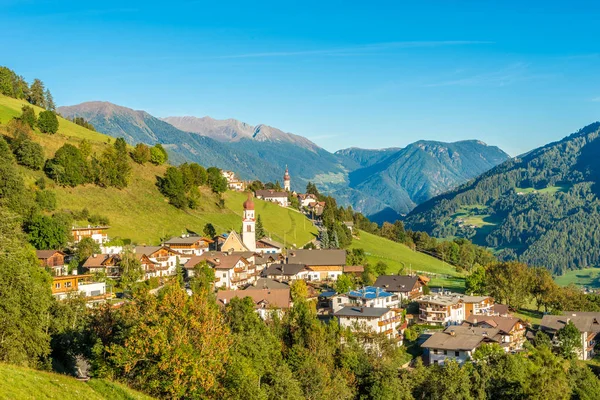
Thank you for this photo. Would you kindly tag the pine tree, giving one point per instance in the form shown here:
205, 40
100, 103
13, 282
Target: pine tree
260, 229
50, 106
335, 243
324, 239
37, 95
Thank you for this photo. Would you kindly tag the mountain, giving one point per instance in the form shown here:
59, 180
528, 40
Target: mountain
382, 184
542, 208
406, 177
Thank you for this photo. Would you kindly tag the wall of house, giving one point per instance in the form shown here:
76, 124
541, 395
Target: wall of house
440, 356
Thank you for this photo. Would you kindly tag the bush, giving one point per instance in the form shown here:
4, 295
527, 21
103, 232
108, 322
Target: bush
47, 122
158, 155
68, 167
46, 199
141, 153
30, 154
96, 219
28, 116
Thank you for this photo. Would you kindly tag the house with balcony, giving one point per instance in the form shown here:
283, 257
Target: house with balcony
274, 196
189, 245
268, 246
107, 264
232, 269
441, 309
512, 330
266, 301
371, 296
286, 272
53, 260
478, 305
381, 320
97, 233
588, 324
325, 264
164, 258
65, 285
457, 343
408, 287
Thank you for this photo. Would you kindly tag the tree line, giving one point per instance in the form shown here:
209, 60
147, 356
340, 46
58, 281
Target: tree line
15, 86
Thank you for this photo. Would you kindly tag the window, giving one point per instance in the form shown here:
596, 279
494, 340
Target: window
445, 352
57, 285
249, 229
68, 284
436, 362
456, 353
225, 275
435, 351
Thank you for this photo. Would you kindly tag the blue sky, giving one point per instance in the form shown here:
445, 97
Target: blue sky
367, 74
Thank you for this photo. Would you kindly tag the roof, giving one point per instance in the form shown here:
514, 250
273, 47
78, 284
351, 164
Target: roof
43, 254
584, 321
285, 269
100, 260
318, 257
187, 240
262, 298
500, 309
369, 292
396, 283
149, 250
266, 242
460, 338
266, 283
503, 324
248, 204
354, 268
85, 228
217, 259
263, 259
366, 312
473, 299
270, 193
328, 294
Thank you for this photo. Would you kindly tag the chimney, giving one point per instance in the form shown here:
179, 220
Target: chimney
452, 333
475, 322
362, 309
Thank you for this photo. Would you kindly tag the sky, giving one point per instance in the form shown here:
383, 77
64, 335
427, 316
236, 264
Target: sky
342, 73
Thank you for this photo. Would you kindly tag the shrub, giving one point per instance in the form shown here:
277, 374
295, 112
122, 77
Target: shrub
46, 199
30, 154
28, 116
47, 122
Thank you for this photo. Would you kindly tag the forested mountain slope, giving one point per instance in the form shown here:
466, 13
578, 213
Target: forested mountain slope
541, 208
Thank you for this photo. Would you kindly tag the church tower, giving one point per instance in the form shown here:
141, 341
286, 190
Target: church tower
249, 224
286, 180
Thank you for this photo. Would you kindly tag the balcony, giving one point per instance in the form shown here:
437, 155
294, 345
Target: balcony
392, 320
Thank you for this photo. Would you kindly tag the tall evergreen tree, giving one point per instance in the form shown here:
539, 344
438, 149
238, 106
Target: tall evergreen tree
50, 106
37, 95
260, 229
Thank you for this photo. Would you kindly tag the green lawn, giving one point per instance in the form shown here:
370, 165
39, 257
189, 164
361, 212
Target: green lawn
589, 277
398, 256
548, 190
22, 383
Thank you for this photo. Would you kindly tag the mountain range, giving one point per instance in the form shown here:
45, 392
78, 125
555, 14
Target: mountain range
382, 184
542, 208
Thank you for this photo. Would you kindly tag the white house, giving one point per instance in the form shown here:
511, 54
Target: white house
441, 309
232, 269
268, 246
266, 301
286, 272
457, 343
273, 196
370, 319
588, 324
189, 245
164, 257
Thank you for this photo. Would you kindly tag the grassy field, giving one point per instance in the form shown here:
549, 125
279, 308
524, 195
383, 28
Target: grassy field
548, 190
398, 256
21, 383
589, 277
139, 212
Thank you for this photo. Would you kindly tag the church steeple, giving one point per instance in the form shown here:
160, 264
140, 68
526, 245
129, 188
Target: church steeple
286, 180
249, 224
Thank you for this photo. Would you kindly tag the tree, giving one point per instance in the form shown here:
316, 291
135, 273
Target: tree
158, 155
85, 148
141, 153
47, 122
28, 116
203, 278
131, 268
216, 181
113, 167
344, 284
48, 233
509, 283
86, 248
50, 106
298, 290
37, 94
475, 282
172, 187
380, 268
173, 345
209, 230
25, 297
324, 239
569, 339
46, 199
29, 154
260, 229
68, 167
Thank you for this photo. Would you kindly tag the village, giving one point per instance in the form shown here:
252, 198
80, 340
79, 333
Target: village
402, 308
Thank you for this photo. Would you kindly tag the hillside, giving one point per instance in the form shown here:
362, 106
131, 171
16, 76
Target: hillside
397, 256
140, 212
23, 383
541, 208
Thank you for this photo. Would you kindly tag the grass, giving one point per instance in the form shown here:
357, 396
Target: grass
548, 190
23, 383
139, 212
588, 277
397, 256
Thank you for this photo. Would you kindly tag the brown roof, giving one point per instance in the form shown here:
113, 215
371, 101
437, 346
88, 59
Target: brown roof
101, 260
317, 257
397, 283
285, 269
500, 309
266, 283
266, 242
217, 259
503, 324
262, 298
585, 322
270, 193
149, 250
189, 240
44, 254
460, 338
354, 268
85, 228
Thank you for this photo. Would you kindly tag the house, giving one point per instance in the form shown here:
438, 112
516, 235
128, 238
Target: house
264, 260
266, 283
268, 246
286, 272
349, 225
316, 208
232, 270
151, 268
588, 324
381, 320
103, 263
279, 197
165, 258
54, 260
230, 242
511, 329
306, 199
189, 245
326, 264
233, 183
266, 301
457, 343
478, 305
441, 309
64, 285
97, 233
371, 296
408, 287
